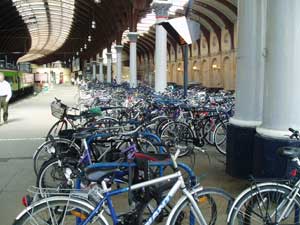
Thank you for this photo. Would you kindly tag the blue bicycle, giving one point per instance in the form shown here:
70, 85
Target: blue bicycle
195, 206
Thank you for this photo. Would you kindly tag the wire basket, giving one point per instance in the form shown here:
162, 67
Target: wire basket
58, 110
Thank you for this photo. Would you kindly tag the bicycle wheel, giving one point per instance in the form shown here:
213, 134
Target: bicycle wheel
48, 150
56, 128
220, 135
57, 210
53, 175
265, 205
179, 134
208, 130
213, 203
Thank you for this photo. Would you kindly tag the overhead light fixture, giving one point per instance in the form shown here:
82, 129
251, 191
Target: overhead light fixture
215, 67
97, 1
94, 24
81, 49
89, 38
85, 46
77, 53
178, 69
195, 68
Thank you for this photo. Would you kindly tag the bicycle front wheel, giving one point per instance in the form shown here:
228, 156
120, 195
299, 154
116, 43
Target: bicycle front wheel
57, 210
219, 137
56, 128
266, 205
179, 134
213, 203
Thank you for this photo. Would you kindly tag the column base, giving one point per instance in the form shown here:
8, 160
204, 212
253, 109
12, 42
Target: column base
239, 156
267, 164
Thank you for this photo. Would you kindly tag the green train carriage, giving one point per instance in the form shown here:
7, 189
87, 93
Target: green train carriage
22, 83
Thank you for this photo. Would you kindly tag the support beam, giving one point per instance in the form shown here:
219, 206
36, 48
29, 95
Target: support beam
133, 36
119, 49
109, 72
94, 63
101, 75
281, 88
250, 78
161, 11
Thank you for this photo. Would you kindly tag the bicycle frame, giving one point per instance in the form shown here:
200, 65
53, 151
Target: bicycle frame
178, 185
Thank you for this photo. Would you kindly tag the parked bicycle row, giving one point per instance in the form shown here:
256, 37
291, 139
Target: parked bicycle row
118, 141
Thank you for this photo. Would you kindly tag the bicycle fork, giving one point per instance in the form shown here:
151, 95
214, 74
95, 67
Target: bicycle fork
195, 209
287, 205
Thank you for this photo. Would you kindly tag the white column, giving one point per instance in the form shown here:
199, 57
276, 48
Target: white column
101, 76
94, 70
109, 59
161, 11
281, 96
250, 63
133, 68
119, 49
146, 69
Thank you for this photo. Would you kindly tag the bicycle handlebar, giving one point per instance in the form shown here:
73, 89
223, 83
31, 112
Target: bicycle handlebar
295, 134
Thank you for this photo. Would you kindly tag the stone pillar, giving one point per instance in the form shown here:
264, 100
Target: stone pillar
161, 11
101, 75
133, 67
146, 69
109, 60
119, 49
249, 91
281, 88
94, 69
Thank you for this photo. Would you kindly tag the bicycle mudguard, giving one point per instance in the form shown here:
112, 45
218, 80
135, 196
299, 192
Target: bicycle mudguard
62, 198
180, 201
251, 188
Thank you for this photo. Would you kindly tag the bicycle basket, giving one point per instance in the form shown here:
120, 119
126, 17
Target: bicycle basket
58, 110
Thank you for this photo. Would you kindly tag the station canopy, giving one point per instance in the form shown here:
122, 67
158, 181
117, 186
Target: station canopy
49, 30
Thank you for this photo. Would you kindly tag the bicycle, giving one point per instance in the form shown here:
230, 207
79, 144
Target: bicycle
71, 209
271, 202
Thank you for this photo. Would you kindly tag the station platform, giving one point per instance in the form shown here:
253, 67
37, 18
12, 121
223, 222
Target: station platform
29, 121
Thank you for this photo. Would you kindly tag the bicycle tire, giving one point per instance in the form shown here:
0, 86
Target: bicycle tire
239, 216
219, 144
180, 140
207, 132
209, 195
53, 163
45, 147
78, 208
64, 126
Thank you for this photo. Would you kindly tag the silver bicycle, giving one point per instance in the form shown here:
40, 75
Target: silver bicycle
196, 206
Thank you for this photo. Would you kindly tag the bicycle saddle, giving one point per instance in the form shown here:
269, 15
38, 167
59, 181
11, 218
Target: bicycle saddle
290, 152
73, 117
152, 156
98, 174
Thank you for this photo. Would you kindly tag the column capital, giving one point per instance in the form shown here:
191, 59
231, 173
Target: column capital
109, 54
100, 60
161, 9
119, 47
133, 36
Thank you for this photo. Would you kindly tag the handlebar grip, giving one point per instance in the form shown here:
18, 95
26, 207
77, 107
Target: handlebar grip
292, 130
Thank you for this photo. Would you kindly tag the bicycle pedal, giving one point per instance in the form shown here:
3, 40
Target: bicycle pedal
200, 149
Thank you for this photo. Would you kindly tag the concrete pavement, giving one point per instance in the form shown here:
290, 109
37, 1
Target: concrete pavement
29, 121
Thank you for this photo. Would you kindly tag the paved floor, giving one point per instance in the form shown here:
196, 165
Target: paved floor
29, 121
